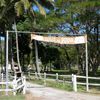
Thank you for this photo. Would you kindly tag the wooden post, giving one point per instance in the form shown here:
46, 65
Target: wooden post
36, 75
87, 83
24, 83
44, 79
0, 73
56, 76
2, 79
74, 80
6, 63
14, 86
29, 75
63, 81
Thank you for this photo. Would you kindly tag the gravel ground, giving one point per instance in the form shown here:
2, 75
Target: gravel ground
47, 93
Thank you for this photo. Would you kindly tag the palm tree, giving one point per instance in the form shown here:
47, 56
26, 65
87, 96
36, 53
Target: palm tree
25, 5
10, 9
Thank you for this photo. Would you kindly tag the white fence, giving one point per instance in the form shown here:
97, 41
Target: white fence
72, 79
13, 86
75, 82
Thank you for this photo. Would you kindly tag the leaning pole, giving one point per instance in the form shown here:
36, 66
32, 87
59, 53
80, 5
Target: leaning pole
7, 63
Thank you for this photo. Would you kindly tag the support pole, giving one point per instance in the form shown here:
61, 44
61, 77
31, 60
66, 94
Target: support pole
0, 51
87, 83
1, 58
7, 62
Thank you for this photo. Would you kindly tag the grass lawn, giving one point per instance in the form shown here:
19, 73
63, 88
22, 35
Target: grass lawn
18, 97
67, 86
27, 96
54, 84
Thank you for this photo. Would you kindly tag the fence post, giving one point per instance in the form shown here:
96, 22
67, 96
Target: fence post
0, 73
39, 76
24, 83
36, 75
29, 75
44, 79
56, 76
74, 80
14, 85
2, 79
63, 81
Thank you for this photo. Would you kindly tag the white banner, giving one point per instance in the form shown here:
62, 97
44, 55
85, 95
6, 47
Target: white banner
61, 40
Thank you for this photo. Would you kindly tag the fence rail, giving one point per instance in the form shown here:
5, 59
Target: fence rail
2, 83
14, 85
72, 79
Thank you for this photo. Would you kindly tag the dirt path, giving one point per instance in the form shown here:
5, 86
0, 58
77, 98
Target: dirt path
46, 93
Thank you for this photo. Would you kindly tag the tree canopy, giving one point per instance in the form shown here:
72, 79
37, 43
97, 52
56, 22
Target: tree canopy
62, 16
10, 10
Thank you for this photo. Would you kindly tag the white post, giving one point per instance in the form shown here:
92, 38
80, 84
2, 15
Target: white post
24, 83
44, 79
36, 75
14, 86
87, 83
56, 76
6, 62
29, 75
63, 81
0, 73
39, 76
74, 80
2, 77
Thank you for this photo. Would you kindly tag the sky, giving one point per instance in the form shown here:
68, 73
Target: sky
2, 38
37, 9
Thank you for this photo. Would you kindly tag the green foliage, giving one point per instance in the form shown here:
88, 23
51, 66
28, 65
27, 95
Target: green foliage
19, 8
42, 24
62, 86
9, 8
47, 53
54, 84
2, 3
24, 25
71, 16
42, 11
80, 7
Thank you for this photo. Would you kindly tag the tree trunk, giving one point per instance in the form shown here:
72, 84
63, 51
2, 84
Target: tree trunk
36, 55
17, 47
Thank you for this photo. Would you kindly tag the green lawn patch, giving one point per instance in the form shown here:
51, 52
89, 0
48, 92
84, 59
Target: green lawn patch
18, 97
54, 84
